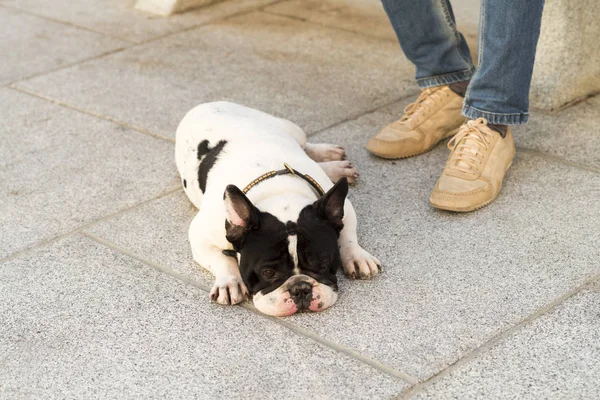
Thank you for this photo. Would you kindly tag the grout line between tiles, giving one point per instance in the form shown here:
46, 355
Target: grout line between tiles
132, 43
499, 337
61, 22
560, 160
74, 63
567, 105
143, 260
141, 42
93, 114
324, 25
209, 22
54, 239
362, 113
12, 84
294, 328
343, 349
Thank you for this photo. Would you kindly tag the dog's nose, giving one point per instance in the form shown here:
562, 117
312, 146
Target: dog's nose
301, 293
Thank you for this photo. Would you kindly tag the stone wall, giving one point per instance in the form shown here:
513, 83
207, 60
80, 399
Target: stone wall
567, 65
168, 7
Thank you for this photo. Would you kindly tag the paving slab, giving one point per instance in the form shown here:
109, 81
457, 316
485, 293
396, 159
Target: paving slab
119, 18
556, 356
571, 134
368, 16
313, 75
31, 45
166, 242
453, 281
61, 169
82, 321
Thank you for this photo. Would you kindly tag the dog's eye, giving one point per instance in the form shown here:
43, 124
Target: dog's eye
268, 273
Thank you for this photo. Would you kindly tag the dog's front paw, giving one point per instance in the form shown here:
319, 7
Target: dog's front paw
358, 263
230, 290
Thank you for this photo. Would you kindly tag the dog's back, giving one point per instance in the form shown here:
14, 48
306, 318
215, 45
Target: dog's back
235, 144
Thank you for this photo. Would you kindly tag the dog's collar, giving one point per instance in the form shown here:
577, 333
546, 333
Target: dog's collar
285, 171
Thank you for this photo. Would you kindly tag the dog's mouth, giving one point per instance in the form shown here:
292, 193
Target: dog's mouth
300, 293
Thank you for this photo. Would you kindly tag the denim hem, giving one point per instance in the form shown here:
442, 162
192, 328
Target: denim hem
495, 118
446, 79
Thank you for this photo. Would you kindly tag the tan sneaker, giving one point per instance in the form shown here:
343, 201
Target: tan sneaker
475, 169
434, 116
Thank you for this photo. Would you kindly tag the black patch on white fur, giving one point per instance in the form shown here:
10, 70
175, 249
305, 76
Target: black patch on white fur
262, 241
318, 250
208, 157
265, 261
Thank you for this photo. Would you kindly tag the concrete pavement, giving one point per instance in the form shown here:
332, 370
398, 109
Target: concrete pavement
99, 296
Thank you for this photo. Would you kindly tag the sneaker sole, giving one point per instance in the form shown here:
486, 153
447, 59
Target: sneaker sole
446, 136
476, 207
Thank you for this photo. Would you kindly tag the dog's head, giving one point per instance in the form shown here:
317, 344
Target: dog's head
288, 266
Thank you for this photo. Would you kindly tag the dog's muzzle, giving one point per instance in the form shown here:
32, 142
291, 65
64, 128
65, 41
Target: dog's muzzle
298, 293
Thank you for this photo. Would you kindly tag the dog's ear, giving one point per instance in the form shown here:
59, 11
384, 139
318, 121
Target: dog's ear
331, 205
242, 216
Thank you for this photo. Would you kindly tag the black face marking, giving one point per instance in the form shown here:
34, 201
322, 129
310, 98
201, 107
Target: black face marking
318, 251
262, 241
208, 157
185, 183
265, 262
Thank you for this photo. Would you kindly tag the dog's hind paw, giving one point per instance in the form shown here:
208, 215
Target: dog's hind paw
322, 152
336, 170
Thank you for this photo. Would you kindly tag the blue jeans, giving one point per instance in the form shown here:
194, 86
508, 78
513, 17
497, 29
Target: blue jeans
508, 35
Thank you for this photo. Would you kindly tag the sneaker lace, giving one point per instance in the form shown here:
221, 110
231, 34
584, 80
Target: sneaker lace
426, 99
468, 147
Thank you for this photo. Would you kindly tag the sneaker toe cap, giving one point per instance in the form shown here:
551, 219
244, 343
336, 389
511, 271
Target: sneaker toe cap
394, 143
456, 194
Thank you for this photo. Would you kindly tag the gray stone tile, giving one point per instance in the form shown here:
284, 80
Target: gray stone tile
119, 17
571, 134
157, 231
81, 321
61, 169
310, 74
31, 45
363, 16
368, 16
555, 357
453, 281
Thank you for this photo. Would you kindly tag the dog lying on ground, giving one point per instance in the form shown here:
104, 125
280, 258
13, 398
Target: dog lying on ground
283, 237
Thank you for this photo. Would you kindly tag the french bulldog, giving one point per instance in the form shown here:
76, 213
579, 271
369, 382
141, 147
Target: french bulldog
284, 236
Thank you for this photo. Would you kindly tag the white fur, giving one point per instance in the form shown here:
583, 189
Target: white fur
293, 250
256, 143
